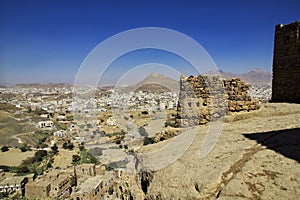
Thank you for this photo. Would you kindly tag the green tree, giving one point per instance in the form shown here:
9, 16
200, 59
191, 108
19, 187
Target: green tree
39, 155
24, 148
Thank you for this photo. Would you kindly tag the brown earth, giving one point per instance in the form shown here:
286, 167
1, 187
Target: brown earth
256, 157
14, 157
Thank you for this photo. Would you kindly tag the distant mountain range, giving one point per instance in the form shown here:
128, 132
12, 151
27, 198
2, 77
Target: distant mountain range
253, 76
40, 85
161, 83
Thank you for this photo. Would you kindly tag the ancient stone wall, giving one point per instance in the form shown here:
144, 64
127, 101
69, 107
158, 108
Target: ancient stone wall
286, 63
207, 98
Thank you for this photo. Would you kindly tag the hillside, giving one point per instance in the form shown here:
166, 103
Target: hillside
253, 76
155, 83
256, 157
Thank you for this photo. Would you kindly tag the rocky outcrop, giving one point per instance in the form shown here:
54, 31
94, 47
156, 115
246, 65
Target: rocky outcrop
129, 186
256, 157
165, 134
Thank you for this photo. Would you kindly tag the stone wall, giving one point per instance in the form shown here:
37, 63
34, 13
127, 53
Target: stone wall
207, 98
286, 63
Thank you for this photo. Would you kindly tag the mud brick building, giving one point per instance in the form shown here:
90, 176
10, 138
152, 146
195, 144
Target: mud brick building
286, 63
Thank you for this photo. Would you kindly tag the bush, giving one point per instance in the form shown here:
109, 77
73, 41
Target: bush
81, 147
110, 190
44, 145
39, 155
75, 158
4, 148
148, 140
68, 145
118, 142
24, 148
54, 149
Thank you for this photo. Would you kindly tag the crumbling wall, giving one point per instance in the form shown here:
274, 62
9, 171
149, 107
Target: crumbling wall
207, 98
286, 63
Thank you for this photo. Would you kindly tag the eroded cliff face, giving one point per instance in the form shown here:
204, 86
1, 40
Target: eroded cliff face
256, 157
133, 185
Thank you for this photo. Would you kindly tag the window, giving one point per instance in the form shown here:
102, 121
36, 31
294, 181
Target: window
287, 37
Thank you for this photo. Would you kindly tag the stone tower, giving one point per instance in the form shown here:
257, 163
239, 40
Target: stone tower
286, 63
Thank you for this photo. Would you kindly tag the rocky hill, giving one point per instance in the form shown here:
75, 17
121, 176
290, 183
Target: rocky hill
256, 157
253, 76
155, 83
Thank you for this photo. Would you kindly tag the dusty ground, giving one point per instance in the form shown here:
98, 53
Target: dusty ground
63, 158
14, 157
256, 157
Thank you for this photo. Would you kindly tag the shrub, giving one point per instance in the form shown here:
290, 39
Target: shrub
110, 190
54, 149
118, 142
24, 148
44, 145
39, 155
4, 148
75, 158
68, 145
148, 140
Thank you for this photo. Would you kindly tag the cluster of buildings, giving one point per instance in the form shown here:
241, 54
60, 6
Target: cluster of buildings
81, 182
84, 181
261, 90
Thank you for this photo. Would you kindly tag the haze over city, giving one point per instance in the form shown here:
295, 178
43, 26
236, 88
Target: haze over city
46, 41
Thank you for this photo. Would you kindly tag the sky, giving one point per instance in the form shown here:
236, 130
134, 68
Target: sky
48, 41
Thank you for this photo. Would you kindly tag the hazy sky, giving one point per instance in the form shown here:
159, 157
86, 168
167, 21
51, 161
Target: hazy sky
46, 41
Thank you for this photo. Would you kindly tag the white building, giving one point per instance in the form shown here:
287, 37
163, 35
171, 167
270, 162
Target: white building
60, 133
46, 124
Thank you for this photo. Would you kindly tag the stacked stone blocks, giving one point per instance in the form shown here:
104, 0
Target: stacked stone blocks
207, 98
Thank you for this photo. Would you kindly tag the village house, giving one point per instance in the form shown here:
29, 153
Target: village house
60, 133
85, 170
13, 184
46, 124
91, 189
60, 187
54, 184
39, 189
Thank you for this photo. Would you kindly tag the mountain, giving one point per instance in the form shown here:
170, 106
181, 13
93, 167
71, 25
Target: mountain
154, 83
40, 85
253, 76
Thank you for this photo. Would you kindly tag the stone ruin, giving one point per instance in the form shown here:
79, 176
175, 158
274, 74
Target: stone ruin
204, 99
